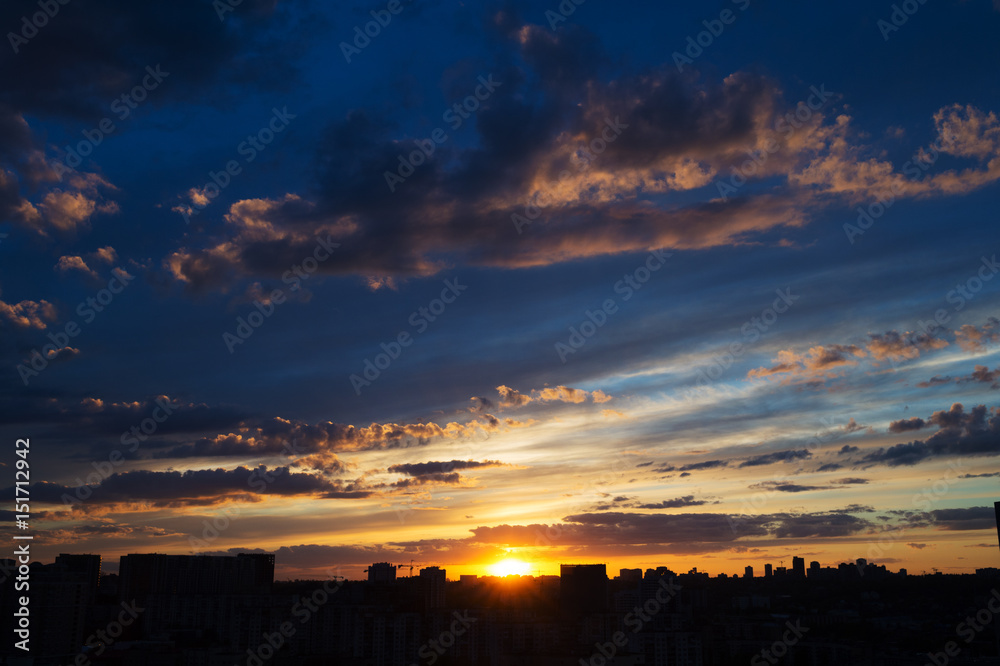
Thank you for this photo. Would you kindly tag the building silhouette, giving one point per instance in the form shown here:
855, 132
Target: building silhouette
381, 572
583, 587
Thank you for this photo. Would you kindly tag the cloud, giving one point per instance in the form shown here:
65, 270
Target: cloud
28, 314
975, 339
708, 464
905, 425
960, 433
823, 362
675, 503
431, 468
271, 437
512, 398
662, 133
74, 67
971, 518
173, 489
72, 263
777, 457
818, 362
786, 487
980, 373
896, 346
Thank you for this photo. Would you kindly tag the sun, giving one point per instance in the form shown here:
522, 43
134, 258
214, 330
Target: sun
510, 567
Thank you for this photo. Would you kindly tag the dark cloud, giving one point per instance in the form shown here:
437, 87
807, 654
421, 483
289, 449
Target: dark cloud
904, 425
675, 503
276, 436
961, 433
971, 518
197, 487
777, 457
787, 487
981, 374
708, 464
86, 56
430, 468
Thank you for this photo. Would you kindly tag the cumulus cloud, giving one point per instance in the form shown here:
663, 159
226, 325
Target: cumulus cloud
975, 339
73, 263
662, 132
28, 314
272, 436
513, 398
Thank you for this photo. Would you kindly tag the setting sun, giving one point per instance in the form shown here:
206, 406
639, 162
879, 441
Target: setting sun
510, 567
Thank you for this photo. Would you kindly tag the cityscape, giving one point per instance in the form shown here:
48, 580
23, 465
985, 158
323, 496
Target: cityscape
188, 609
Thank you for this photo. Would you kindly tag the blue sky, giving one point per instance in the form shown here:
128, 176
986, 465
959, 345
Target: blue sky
585, 158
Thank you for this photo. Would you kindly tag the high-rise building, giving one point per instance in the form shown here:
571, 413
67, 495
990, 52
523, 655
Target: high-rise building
141, 575
432, 584
767, 571
583, 588
814, 569
996, 510
748, 572
799, 567
62, 594
381, 572
630, 575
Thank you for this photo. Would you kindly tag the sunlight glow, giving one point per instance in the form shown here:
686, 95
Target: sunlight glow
510, 567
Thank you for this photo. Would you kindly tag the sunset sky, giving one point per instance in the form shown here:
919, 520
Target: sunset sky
699, 286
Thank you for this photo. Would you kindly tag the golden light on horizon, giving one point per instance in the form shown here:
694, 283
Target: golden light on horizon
510, 566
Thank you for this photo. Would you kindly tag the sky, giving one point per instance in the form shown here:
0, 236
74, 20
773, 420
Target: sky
499, 286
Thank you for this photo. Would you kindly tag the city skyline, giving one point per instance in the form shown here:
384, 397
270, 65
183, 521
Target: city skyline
502, 287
